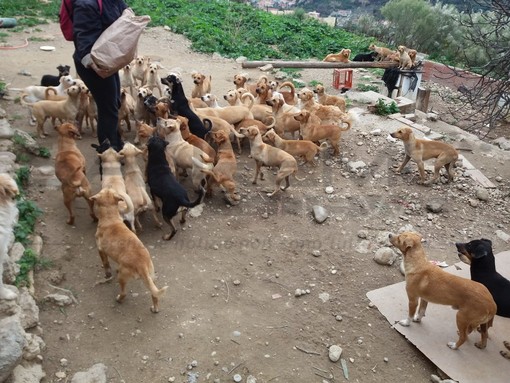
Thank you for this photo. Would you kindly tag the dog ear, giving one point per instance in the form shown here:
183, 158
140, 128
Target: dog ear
488, 241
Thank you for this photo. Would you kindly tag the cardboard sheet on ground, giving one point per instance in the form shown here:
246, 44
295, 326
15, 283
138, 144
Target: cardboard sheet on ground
467, 364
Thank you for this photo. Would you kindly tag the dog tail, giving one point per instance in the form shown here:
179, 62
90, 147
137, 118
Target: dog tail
323, 146
198, 201
290, 84
351, 117
23, 100
272, 124
205, 168
149, 283
251, 101
296, 177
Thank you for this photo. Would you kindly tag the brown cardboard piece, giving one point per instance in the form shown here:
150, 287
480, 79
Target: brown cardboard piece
467, 364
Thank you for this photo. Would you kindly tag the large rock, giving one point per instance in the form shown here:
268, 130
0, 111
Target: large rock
319, 213
29, 373
33, 346
30, 317
12, 341
385, 256
95, 374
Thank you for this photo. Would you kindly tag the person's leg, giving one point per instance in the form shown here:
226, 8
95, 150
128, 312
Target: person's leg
106, 93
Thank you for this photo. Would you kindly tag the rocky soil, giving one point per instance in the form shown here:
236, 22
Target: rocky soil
261, 289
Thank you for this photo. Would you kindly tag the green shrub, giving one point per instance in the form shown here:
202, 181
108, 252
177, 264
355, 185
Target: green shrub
383, 109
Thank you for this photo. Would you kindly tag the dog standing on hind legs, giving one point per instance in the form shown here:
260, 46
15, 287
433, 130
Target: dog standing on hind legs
70, 169
114, 240
165, 188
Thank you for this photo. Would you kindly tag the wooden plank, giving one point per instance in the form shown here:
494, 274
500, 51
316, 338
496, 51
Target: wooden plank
320, 64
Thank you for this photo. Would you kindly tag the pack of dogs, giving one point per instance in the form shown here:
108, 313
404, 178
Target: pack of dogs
177, 136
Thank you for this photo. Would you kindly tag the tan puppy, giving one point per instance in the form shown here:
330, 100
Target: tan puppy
202, 84
8, 219
127, 80
135, 184
382, 52
405, 61
329, 99
226, 166
182, 154
312, 129
231, 114
263, 91
141, 112
423, 150
283, 114
240, 81
70, 169
242, 97
114, 240
193, 139
267, 155
412, 55
84, 104
305, 149
91, 114
342, 56
329, 114
140, 67
218, 124
112, 178
152, 79
126, 110
143, 133
64, 110
426, 282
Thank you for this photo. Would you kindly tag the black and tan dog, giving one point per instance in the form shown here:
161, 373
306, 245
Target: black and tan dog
426, 283
164, 187
180, 105
51, 80
478, 254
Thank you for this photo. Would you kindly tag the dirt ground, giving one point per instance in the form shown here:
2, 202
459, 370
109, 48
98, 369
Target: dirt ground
232, 272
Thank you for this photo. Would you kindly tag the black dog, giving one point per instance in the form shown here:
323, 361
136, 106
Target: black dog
180, 105
50, 80
164, 186
365, 56
478, 254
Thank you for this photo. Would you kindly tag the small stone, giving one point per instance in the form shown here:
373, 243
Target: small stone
435, 206
298, 293
60, 374
363, 234
499, 179
194, 363
324, 297
63, 362
319, 213
265, 215
171, 379
473, 202
316, 253
237, 378
339, 318
482, 194
236, 282
329, 190
335, 352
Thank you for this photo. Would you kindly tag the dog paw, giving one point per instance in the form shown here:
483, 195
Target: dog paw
417, 319
452, 345
154, 310
405, 322
480, 345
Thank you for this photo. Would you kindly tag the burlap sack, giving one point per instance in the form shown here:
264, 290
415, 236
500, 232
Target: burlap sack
117, 45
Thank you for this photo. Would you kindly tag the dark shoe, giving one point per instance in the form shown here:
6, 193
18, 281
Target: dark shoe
105, 145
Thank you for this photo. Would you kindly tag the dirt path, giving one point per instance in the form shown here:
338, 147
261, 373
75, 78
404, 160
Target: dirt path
232, 272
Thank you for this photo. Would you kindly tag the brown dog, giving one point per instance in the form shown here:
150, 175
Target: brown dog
240, 81
305, 149
267, 155
426, 282
283, 114
202, 84
329, 99
126, 110
329, 114
70, 169
112, 178
193, 139
405, 61
135, 184
64, 110
225, 168
310, 128
114, 240
382, 52
422, 150
342, 56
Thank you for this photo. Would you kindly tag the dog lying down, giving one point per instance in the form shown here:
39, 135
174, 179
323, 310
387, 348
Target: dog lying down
114, 240
165, 188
